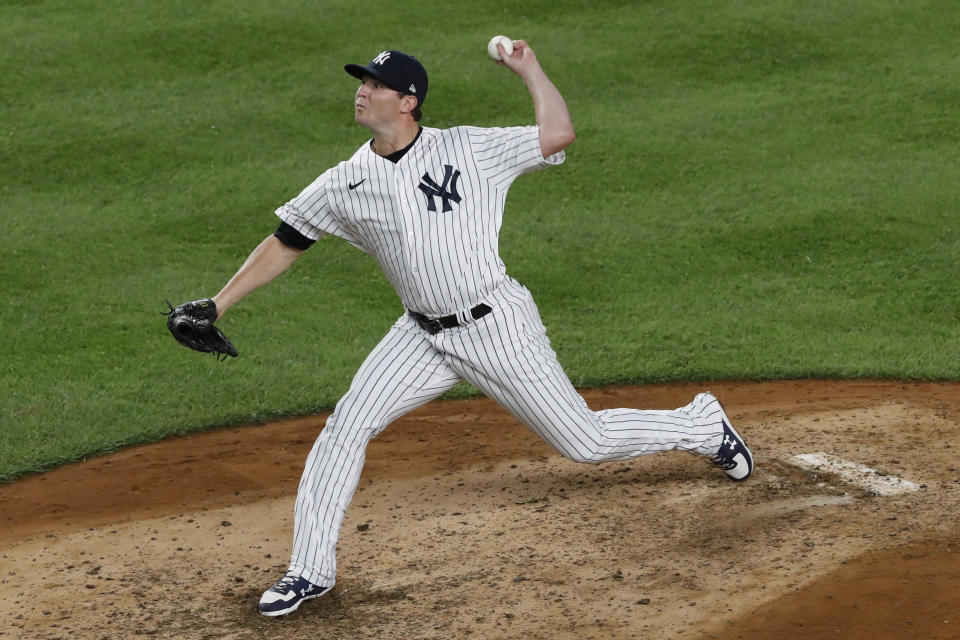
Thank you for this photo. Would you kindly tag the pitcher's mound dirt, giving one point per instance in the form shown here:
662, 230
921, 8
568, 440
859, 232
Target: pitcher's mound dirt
467, 525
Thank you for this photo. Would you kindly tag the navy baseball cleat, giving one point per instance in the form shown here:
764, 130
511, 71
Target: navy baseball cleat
287, 594
733, 456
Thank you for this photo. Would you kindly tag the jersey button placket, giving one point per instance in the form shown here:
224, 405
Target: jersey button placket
410, 243
407, 216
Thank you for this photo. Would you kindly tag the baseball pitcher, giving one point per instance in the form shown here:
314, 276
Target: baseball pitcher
427, 205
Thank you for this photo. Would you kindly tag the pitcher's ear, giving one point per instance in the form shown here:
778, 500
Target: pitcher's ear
408, 103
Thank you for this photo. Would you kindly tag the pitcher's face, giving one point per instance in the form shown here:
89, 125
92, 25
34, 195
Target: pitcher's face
375, 103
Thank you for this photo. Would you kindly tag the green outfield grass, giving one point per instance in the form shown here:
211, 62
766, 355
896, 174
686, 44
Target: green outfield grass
758, 190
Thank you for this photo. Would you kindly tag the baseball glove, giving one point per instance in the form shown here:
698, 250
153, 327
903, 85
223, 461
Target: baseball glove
192, 326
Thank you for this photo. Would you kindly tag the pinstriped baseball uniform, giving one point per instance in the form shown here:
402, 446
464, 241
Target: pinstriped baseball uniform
431, 220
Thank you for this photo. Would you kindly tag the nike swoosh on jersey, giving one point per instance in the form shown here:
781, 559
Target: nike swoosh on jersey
351, 187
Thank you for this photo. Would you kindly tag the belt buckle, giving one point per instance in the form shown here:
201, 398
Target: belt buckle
429, 325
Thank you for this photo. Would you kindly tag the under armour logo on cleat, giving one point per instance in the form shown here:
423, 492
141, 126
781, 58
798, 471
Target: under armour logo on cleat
731, 442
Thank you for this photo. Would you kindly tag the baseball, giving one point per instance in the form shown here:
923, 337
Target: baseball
492, 46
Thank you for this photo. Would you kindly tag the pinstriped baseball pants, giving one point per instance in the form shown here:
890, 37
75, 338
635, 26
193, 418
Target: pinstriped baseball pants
506, 355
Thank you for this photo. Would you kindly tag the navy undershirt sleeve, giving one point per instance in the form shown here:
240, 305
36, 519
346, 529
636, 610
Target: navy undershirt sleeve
292, 238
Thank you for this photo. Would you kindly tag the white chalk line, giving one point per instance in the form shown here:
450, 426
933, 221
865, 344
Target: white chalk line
856, 474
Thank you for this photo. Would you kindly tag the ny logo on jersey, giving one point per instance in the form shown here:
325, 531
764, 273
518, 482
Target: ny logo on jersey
382, 57
446, 191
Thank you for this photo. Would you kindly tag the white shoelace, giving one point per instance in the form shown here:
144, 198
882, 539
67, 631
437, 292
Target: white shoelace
285, 583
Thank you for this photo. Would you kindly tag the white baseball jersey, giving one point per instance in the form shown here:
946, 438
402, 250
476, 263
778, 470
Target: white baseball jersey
431, 221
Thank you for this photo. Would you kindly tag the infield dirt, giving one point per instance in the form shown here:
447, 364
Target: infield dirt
467, 525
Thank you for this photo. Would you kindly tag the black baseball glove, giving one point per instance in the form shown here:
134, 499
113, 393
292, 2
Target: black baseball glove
192, 325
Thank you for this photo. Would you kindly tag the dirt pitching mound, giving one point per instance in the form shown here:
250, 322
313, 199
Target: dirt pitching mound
467, 525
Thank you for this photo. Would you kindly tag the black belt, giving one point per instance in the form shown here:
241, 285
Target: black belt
436, 325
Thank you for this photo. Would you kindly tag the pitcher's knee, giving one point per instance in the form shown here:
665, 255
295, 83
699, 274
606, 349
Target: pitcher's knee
585, 457
352, 420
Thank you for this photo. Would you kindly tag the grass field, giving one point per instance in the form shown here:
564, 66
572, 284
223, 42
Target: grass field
758, 190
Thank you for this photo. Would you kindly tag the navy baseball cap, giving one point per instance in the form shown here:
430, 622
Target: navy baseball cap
397, 70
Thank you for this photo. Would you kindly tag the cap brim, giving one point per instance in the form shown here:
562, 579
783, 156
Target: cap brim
358, 72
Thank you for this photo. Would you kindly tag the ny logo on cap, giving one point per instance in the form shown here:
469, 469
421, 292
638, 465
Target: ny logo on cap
383, 57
